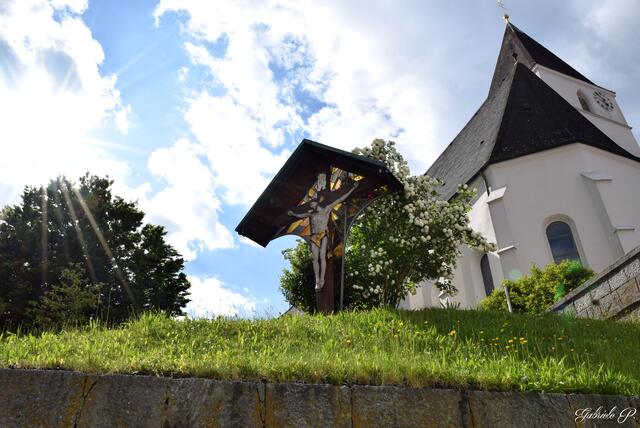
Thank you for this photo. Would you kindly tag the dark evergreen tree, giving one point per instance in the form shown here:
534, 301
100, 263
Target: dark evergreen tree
55, 229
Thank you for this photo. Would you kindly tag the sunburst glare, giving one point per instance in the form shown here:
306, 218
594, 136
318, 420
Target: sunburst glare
50, 126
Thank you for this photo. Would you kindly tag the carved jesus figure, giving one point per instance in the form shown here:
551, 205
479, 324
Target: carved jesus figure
319, 219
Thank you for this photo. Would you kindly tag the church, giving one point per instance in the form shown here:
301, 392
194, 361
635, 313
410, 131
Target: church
556, 168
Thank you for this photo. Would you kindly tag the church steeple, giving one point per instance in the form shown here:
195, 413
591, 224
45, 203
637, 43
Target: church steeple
518, 46
595, 103
522, 116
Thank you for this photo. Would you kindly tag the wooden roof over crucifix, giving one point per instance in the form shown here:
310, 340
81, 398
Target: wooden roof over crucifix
293, 185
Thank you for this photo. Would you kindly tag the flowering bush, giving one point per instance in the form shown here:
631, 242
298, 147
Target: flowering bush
404, 238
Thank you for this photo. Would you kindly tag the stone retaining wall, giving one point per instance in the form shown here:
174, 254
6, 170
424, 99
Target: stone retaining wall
614, 293
41, 398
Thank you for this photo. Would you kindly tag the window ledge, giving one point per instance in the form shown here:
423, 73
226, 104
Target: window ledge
617, 229
596, 176
496, 194
505, 249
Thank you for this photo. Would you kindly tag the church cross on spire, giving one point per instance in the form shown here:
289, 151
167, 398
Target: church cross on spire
505, 14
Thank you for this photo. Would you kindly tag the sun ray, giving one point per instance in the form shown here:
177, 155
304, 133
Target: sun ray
64, 85
76, 225
60, 218
144, 52
97, 142
105, 245
44, 238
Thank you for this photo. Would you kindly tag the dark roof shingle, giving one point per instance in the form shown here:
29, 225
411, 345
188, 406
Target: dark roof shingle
521, 116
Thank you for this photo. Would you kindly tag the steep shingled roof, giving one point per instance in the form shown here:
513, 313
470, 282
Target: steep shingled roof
529, 52
521, 116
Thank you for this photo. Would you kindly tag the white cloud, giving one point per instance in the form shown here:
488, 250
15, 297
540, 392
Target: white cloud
75, 6
614, 20
410, 72
52, 95
231, 138
277, 53
187, 206
210, 297
122, 119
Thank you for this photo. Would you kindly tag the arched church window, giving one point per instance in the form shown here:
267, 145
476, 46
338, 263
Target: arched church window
561, 241
487, 278
583, 101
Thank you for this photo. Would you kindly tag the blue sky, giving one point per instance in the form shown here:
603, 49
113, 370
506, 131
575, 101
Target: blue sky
192, 106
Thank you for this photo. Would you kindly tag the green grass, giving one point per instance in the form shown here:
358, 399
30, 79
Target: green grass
434, 347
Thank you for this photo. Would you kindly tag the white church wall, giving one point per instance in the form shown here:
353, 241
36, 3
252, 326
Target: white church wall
467, 280
479, 216
620, 194
550, 184
621, 134
420, 299
612, 123
568, 88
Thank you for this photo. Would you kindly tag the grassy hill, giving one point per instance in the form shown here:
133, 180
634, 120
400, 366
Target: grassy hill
434, 347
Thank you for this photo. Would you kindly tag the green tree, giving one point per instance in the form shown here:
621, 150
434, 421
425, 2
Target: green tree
399, 240
294, 282
73, 299
534, 293
65, 224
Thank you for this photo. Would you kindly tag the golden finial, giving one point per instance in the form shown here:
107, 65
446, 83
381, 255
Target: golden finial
505, 15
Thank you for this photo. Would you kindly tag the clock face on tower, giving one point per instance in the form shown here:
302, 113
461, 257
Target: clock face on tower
603, 101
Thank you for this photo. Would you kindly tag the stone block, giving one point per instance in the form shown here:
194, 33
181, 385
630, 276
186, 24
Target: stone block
600, 291
302, 405
599, 312
390, 406
634, 402
593, 312
121, 401
146, 401
617, 280
583, 404
40, 398
205, 402
628, 293
570, 309
590, 312
632, 269
582, 302
586, 312
519, 409
609, 305
631, 314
